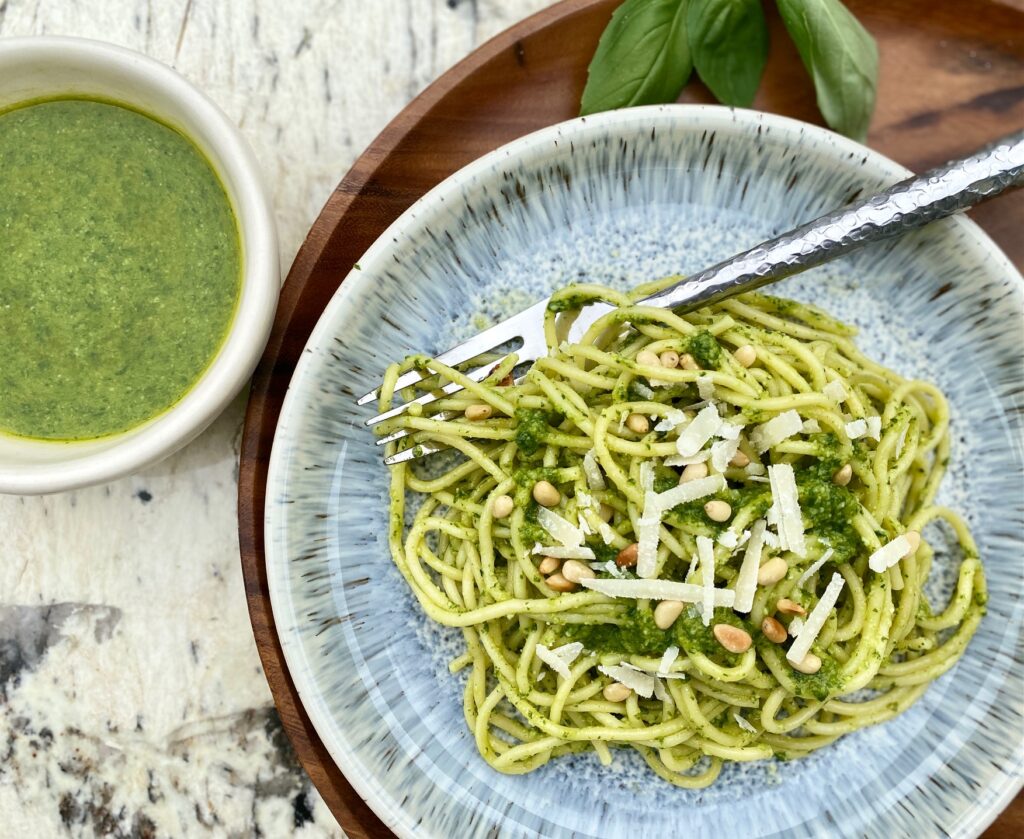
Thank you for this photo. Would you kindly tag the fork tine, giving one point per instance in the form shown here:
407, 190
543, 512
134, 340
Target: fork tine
412, 453
495, 336
427, 398
442, 416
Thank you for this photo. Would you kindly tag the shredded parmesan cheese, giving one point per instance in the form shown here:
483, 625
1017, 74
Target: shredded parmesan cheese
787, 508
560, 658
813, 569
667, 660
729, 431
874, 425
636, 680
722, 452
647, 476
835, 390
811, 426
746, 579
889, 554
815, 620
856, 429
673, 417
560, 529
706, 387
742, 723
643, 390
706, 552
648, 530
595, 480
777, 429
698, 432
658, 590
690, 491
679, 460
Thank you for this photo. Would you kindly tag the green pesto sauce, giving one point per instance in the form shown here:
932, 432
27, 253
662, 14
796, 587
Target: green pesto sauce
821, 685
120, 268
828, 508
705, 349
637, 634
532, 428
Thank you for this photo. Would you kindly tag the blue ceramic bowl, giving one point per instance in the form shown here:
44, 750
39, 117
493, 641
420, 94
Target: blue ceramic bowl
621, 198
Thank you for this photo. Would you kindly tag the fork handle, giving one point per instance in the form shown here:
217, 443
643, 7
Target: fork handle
909, 204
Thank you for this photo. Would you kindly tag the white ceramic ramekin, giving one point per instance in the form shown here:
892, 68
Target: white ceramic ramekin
31, 68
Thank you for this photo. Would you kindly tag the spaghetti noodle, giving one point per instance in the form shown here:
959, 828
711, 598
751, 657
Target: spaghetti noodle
725, 563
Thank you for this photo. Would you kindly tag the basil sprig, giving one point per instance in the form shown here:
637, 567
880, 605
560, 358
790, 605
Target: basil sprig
841, 57
642, 57
650, 47
729, 43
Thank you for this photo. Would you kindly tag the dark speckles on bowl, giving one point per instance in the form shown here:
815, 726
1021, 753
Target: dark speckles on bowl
622, 198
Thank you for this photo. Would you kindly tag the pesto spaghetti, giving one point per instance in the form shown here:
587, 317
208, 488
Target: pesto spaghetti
696, 536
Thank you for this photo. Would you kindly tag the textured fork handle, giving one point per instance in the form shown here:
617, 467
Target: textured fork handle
909, 204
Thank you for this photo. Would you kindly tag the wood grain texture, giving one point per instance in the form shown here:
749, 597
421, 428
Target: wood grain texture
948, 83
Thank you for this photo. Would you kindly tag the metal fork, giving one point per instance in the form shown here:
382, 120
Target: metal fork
907, 205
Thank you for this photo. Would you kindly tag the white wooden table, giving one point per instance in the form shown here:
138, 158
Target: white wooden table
132, 702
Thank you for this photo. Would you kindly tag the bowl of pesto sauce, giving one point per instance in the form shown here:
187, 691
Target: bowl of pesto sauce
138, 263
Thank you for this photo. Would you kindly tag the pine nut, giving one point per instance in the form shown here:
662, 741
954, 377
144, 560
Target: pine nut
688, 362
773, 630
789, 607
627, 556
666, 612
811, 664
478, 412
739, 459
734, 639
573, 570
745, 355
638, 423
502, 506
606, 512
546, 494
772, 571
843, 475
669, 359
648, 358
718, 510
559, 583
693, 472
616, 692
548, 565
914, 538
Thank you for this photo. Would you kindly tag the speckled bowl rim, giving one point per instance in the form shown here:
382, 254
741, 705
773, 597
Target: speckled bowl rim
525, 150
206, 125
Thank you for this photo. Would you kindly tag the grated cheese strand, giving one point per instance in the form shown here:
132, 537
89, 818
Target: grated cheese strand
746, 579
563, 552
813, 569
815, 621
777, 429
560, 529
690, 491
636, 680
787, 508
889, 554
658, 590
560, 658
595, 478
698, 432
706, 552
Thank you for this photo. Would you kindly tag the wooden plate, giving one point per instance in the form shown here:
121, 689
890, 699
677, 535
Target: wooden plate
949, 82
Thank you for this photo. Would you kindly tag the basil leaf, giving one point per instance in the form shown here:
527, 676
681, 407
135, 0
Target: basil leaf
841, 57
642, 58
729, 43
